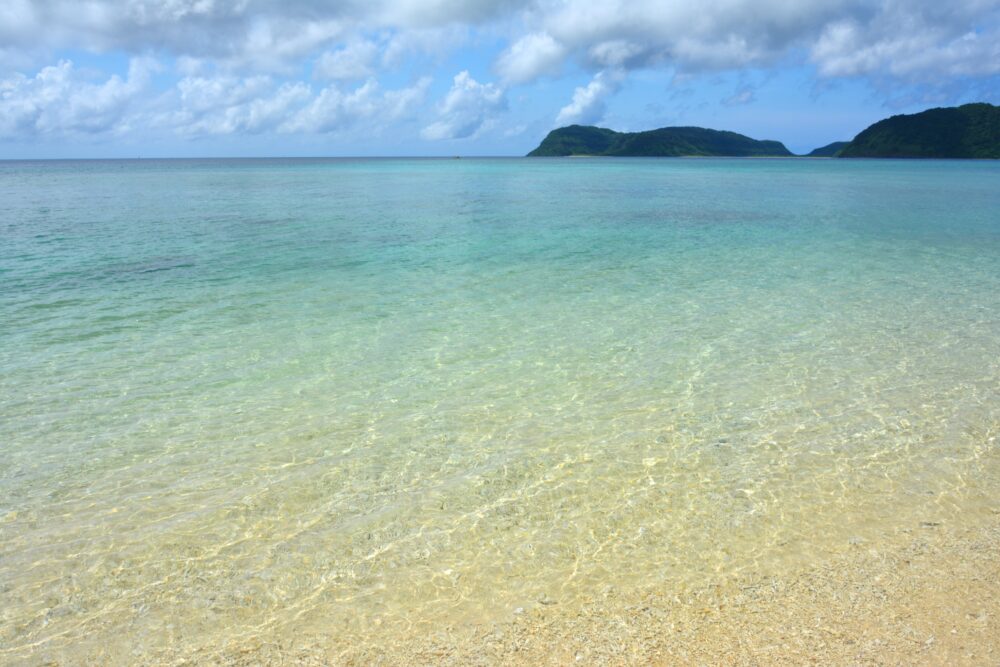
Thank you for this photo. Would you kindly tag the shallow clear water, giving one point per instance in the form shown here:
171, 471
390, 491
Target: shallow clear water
256, 398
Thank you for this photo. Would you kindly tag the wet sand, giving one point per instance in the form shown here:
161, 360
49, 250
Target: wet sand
930, 596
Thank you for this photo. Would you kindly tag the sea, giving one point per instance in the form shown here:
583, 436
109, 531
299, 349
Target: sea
370, 400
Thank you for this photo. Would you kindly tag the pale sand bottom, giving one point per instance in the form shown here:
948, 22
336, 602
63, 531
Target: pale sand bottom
933, 598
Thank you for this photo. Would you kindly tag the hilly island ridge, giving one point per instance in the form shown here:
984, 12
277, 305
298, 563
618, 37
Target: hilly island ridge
830, 150
665, 142
968, 131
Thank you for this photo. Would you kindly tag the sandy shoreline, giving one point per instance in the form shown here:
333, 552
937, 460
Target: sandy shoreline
932, 598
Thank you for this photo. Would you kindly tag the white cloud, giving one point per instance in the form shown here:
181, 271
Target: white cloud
276, 44
201, 94
58, 101
849, 48
425, 13
205, 28
354, 61
403, 102
262, 35
588, 104
333, 109
467, 107
237, 62
530, 57
909, 38
228, 105
436, 42
616, 53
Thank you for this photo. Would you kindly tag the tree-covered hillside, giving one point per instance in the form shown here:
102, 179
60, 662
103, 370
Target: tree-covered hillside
665, 142
830, 150
968, 131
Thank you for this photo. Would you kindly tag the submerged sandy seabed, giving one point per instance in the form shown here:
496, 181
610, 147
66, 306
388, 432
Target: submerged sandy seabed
932, 597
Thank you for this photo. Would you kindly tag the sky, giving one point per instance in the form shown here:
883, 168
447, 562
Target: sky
241, 78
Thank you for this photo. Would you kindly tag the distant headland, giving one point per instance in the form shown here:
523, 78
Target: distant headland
665, 142
968, 131
830, 150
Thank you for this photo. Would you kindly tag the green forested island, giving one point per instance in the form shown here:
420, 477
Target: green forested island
665, 142
830, 150
968, 131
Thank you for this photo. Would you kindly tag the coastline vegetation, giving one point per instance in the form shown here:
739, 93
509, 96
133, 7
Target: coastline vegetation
664, 142
968, 131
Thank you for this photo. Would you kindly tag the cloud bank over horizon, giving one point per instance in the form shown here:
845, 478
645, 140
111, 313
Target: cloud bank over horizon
431, 75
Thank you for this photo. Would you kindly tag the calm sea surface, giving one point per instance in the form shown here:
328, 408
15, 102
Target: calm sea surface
243, 400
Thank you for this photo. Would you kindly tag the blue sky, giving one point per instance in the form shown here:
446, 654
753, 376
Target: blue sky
126, 78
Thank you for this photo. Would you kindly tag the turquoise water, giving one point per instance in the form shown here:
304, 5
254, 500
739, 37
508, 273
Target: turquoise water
361, 399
